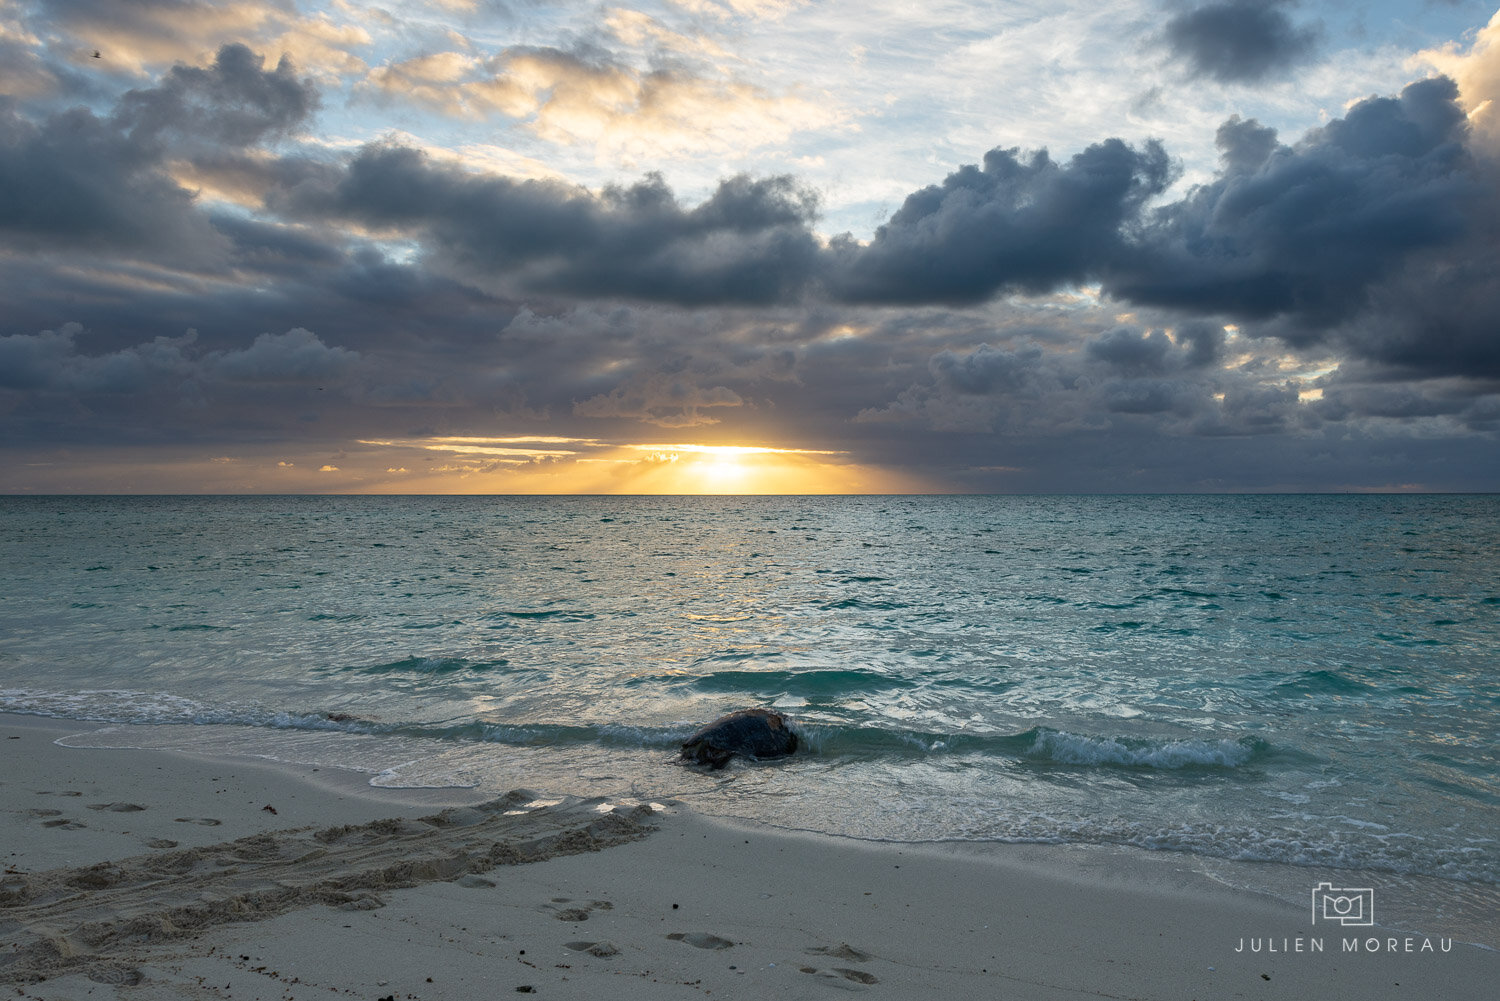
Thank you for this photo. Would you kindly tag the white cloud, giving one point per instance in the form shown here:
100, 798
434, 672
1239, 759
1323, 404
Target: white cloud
1477, 73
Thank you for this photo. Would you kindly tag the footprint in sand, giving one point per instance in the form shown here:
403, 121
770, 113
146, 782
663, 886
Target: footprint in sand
63, 823
362, 902
473, 882
97, 877
118, 976
578, 912
44, 813
14, 891
603, 950
841, 951
841, 977
200, 821
160, 843
117, 807
701, 940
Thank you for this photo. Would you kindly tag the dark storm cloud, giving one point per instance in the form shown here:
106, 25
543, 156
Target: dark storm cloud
1204, 340
1123, 373
989, 370
1125, 348
1306, 235
279, 250
1439, 316
1240, 41
32, 361
1398, 401
1018, 223
75, 179
1027, 224
750, 242
295, 356
51, 361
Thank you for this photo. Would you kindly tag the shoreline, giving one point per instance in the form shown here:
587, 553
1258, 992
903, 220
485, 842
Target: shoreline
757, 910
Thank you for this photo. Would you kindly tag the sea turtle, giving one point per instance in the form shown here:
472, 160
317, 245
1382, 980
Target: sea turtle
754, 733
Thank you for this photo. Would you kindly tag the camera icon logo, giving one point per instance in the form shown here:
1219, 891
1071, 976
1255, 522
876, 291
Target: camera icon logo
1347, 905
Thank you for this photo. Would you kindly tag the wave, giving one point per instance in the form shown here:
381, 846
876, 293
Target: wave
1320, 682
1039, 746
429, 665
863, 604
1064, 748
803, 684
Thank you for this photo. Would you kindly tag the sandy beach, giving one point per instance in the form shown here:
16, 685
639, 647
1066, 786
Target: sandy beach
134, 874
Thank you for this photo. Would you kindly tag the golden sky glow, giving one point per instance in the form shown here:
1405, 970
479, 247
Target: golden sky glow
551, 464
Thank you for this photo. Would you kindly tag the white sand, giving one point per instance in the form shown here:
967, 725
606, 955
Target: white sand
579, 900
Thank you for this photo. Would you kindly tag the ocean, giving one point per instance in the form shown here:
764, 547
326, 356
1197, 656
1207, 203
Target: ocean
1276, 690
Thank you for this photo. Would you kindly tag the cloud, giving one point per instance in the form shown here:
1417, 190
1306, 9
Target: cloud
635, 28
987, 370
1240, 41
36, 361
1313, 242
1016, 224
595, 99
322, 47
234, 102
748, 242
1477, 73
295, 356
77, 180
1125, 349
144, 33
669, 401
432, 79
137, 37
49, 362
725, 9
23, 73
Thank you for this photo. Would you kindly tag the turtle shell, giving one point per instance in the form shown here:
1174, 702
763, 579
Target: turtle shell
750, 733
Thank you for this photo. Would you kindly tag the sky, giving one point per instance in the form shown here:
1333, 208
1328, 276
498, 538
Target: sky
749, 246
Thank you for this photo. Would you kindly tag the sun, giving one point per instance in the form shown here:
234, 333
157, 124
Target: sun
722, 471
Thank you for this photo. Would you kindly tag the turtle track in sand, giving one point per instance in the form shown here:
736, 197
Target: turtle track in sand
73, 919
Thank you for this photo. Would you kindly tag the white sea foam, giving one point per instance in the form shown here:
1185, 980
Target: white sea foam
1073, 749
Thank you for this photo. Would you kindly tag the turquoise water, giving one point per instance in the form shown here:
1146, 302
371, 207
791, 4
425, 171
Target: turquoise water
1308, 680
